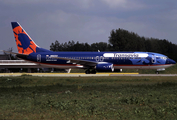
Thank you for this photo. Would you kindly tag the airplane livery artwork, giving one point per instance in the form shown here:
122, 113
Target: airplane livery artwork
90, 61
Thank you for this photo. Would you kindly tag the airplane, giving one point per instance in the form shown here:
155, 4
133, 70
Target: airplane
90, 61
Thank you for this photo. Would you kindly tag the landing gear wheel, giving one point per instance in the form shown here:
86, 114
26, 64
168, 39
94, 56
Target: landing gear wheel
93, 71
87, 71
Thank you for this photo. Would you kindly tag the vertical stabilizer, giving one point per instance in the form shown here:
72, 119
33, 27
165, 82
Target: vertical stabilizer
25, 44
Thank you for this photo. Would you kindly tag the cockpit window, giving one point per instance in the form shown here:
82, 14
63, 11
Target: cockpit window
164, 58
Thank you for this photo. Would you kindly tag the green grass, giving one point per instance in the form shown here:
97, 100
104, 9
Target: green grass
80, 98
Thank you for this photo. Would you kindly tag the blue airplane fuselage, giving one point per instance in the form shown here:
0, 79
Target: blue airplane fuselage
120, 60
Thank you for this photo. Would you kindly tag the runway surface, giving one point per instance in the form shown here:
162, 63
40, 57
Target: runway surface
81, 74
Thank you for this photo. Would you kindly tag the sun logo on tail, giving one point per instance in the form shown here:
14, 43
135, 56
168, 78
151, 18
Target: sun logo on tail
25, 45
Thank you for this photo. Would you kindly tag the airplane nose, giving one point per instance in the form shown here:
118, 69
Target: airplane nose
170, 61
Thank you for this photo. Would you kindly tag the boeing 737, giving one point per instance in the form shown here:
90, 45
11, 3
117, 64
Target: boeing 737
90, 61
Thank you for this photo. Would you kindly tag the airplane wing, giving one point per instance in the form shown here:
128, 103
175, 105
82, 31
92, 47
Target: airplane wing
78, 61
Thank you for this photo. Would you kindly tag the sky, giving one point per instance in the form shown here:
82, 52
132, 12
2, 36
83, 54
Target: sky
88, 21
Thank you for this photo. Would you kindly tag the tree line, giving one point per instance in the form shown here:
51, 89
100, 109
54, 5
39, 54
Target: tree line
122, 40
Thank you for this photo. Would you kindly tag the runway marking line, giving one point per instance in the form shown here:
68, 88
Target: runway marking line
65, 74
61, 73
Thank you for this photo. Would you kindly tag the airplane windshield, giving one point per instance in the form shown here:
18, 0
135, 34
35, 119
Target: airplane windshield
164, 57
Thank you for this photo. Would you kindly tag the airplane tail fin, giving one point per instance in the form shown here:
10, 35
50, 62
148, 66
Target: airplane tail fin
25, 44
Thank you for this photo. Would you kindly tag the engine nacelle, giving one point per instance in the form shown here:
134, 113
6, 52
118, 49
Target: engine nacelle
105, 67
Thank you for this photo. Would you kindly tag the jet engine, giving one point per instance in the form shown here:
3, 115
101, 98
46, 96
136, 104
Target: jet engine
105, 67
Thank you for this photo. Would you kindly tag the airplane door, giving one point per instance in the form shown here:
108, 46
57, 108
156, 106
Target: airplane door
153, 59
101, 58
97, 58
38, 58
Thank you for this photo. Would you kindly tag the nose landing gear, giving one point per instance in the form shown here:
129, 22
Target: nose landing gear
157, 72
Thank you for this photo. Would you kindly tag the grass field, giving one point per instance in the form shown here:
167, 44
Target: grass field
81, 98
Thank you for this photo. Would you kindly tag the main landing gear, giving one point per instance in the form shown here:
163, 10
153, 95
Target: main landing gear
88, 71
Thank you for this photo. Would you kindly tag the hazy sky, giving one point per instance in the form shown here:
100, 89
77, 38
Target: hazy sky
86, 20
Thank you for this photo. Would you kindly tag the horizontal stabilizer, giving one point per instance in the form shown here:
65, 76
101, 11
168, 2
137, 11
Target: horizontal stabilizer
23, 56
